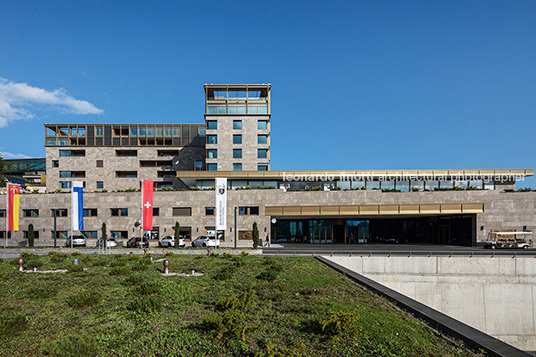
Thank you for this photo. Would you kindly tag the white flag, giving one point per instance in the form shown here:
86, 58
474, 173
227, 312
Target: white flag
221, 204
77, 206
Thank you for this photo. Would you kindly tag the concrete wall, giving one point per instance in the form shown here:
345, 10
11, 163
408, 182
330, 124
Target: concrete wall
495, 295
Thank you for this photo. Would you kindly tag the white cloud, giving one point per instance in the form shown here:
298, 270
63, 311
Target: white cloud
8, 155
17, 98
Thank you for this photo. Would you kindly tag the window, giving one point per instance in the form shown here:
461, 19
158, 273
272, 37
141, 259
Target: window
262, 168
209, 211
237, 153
64, 174
262, 125
119, 234
212, 167
237, 167
257, 109
212, 153
212, 124
262, 139
202, 132
65, 184
98, 130
90, 234
60, 234
237, 139
198, 164
55, 163
60, 212
119, 212
133, 131
100, 184
73, 153
126, 174
36, 234
156, 211
248, 211
237, 124
182, 211
100, 163
262, 153
90, 212
2, 212
126, 153
30, 213
212, 139
237, 109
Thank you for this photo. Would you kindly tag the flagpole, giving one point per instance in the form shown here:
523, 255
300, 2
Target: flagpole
7, 211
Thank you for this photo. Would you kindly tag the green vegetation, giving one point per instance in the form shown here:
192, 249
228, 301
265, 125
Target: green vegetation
240, 306
31, 235
255, 236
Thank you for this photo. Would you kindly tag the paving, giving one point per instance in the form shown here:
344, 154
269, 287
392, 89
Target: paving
390, 249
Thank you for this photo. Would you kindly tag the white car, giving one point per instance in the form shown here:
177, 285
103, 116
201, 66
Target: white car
206, 241
78, 241
169, 241
110, 242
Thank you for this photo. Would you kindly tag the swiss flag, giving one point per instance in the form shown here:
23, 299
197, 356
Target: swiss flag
147, 205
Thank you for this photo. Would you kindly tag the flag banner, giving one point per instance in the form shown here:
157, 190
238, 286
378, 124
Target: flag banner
77, 206
147, 202
13, 203
221, 204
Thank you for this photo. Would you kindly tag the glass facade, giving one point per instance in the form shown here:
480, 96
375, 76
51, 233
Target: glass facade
262, 124
237, 124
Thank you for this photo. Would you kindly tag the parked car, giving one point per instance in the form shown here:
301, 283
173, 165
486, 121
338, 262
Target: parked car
169, 241
137, 242
110, 242
78, 241
206, 241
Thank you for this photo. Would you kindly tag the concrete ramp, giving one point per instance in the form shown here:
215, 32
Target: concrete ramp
496, 295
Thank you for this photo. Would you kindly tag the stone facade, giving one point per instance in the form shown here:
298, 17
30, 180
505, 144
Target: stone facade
502, 210
105, 164
249, 145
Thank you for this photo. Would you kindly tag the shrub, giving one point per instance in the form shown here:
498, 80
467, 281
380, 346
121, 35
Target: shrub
230, 321
43, 291
119, 271
133, 279
255, 236
12, 322
56, 257
74, 268
145, 304
341, 323
148, 288
31, 235
98, 262
31, 260
269, 275
225, 273
244, 253
84, 299
169, 254
76, 254
73, 346
118, 263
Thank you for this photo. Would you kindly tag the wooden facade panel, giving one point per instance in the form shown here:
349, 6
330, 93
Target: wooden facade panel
349, 210
292, 211
409, 209
366, 210
273, 211
310, 210
451, 208
430, 209
329, 210
389, 209
473, 207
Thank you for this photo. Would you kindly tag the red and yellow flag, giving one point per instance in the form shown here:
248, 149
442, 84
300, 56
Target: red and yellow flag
13, 203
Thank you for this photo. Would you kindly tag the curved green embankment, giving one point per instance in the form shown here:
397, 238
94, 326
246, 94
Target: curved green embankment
241, 306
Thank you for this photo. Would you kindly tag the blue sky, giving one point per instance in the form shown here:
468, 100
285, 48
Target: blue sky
355, 84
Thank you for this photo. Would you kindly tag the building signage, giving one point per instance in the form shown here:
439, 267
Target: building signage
221, 204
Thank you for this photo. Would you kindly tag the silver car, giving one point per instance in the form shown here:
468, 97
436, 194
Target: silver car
206, 241
78, 241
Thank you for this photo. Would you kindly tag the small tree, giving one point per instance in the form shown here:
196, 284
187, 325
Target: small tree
177, 231
103, 231
31, 235
255, 236
2, 172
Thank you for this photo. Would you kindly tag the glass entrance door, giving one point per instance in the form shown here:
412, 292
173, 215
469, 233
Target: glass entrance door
319, 235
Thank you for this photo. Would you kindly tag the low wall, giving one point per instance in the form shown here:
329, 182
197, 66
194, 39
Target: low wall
496, 295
